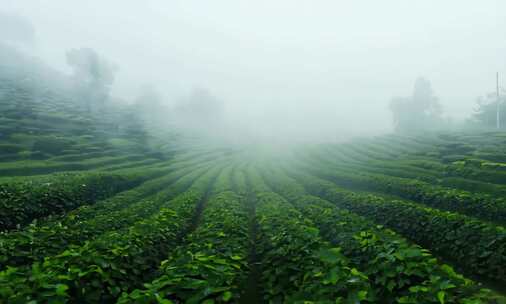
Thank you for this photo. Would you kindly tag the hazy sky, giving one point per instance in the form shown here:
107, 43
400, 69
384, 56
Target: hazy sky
322, 65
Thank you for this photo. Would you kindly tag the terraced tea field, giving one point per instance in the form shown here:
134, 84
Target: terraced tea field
394, 219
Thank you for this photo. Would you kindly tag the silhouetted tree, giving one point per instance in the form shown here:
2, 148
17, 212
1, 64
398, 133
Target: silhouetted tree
419, 111
93, 76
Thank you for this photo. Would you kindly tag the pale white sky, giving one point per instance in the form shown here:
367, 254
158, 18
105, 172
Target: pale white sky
322, 65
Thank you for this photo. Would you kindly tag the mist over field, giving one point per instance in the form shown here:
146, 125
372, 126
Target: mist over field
252, 152
282, 70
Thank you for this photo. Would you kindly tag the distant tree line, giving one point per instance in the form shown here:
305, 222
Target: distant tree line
422, 110
485, 114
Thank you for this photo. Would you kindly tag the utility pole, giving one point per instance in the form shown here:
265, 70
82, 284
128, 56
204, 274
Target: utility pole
498, 119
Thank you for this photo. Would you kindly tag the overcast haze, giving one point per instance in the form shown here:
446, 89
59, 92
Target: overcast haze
297, 67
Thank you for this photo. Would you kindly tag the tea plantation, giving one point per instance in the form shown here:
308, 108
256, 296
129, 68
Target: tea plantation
93, 214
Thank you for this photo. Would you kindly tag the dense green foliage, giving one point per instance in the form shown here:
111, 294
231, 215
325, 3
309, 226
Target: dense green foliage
211, 263
451, 235
394, 219
20, 203
116, 261
478, 205
409, 272
51, 237
298, 266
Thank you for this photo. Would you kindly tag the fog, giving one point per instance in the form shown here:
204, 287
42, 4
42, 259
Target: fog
281, 70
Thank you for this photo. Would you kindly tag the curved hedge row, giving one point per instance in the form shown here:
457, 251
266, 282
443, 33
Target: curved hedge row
297, 265
37, 241
466, 171
45, 167
469, 168
454, 236
50, 183
480, 206
119, 261
399, 271
403, 170
197, 271
20, 203
239, 182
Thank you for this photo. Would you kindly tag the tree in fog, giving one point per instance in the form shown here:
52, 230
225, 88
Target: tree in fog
93, 76
419, 111
486, 112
